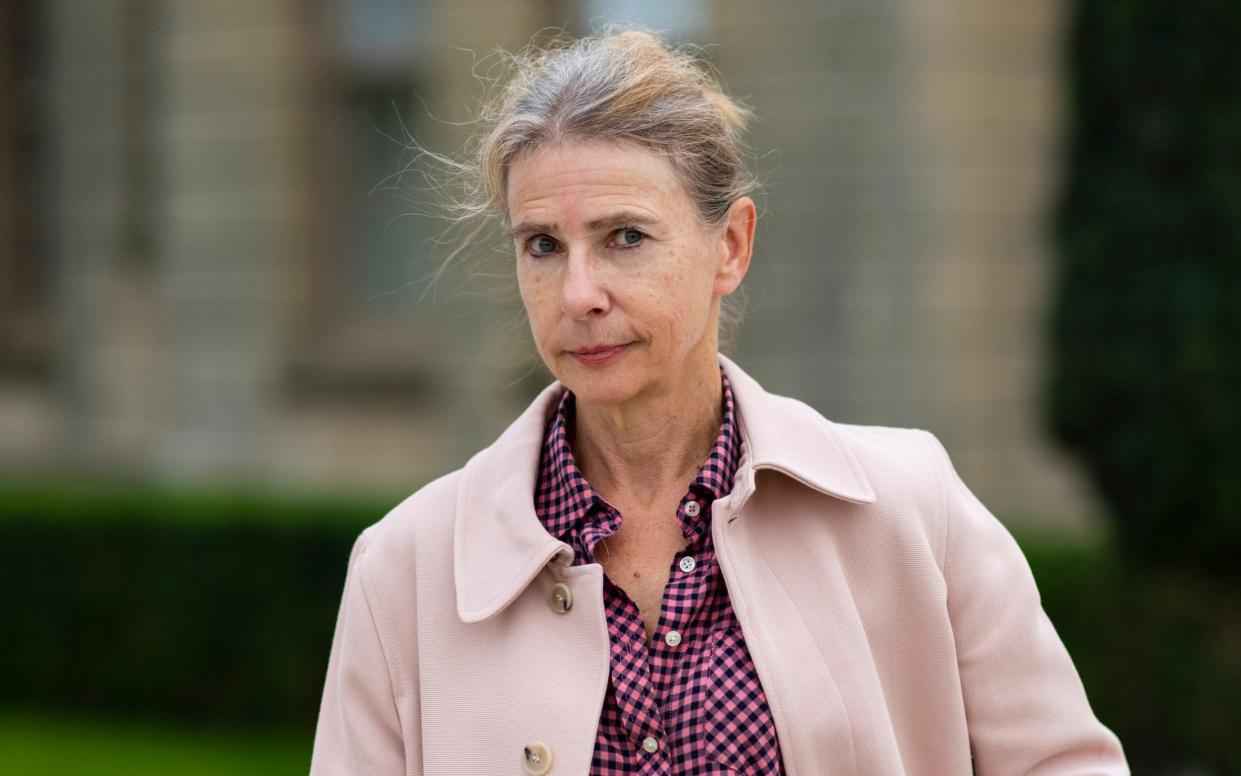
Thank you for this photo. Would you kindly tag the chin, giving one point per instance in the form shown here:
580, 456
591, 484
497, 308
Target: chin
610, 385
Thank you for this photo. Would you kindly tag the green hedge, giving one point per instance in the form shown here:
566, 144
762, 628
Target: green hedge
204, 606
220, 609
1145, 370
1159, 652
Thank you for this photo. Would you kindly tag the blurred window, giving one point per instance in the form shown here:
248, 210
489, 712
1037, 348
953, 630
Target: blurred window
679, 19
375, 48
25, 254
379, 34
365, 332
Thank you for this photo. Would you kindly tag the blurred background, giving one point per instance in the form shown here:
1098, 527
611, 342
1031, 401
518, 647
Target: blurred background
1015, 224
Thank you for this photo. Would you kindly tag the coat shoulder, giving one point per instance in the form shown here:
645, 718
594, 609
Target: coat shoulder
888, 448
905, 468
418, 529
896, 460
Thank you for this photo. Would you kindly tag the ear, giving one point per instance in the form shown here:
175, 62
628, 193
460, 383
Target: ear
737, 245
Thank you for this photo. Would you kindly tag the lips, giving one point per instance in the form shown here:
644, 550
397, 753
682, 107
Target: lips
594, 349
599, 355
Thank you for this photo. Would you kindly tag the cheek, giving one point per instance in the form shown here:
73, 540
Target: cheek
529, 287
537, 297
679, 298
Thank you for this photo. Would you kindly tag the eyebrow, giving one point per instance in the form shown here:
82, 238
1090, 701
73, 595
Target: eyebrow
612, 221
529, 229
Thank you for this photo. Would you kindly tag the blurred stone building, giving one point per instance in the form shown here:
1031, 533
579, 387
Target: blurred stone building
205, 273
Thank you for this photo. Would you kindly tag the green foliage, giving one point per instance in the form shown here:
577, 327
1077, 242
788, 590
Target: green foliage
205, 606
1146, 325
1159, 652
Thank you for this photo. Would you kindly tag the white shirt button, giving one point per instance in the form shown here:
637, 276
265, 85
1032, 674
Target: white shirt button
650, 744
672, 638
692, 508
688, 563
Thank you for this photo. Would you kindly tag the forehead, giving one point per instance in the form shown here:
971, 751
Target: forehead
574, 182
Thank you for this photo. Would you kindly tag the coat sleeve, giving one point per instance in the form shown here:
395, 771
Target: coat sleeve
1024, 703
359, 730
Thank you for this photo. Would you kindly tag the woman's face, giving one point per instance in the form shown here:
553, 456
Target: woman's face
611, 253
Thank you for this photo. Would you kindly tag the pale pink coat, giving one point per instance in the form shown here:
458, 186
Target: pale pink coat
894, 622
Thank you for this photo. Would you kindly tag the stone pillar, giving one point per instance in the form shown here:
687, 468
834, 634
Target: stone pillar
103, 326
231, 113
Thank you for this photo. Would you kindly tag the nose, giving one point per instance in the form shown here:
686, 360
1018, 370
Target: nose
582, 293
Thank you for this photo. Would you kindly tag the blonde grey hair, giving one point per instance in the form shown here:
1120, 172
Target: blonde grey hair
623, 85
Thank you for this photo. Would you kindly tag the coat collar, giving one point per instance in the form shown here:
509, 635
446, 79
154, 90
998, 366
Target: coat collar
499, 545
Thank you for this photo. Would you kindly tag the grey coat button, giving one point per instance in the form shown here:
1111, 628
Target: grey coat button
561, 599
536, 758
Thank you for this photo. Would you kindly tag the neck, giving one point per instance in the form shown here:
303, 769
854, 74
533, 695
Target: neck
638, 453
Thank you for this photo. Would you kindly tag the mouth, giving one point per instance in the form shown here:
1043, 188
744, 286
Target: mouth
598, 354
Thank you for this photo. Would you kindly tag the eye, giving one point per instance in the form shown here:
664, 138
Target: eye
629, 238
541, 245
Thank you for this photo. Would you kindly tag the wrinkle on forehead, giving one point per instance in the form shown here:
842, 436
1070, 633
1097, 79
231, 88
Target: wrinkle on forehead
585, 181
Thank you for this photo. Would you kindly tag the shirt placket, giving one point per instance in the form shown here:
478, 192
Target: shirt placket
681, 616
680, 609
632, 683
635, 687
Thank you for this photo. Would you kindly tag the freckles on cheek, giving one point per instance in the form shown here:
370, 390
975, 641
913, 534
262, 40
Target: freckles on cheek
528, 284
536, 295
540, 288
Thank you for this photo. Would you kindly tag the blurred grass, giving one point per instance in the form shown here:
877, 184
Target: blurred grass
47, 744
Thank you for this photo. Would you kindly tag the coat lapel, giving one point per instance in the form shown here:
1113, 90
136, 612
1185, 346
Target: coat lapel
499, 545
788, 436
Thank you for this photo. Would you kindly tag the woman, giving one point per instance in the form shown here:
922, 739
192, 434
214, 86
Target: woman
820, 598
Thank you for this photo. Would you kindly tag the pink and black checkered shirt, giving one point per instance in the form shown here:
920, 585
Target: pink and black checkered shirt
694, 695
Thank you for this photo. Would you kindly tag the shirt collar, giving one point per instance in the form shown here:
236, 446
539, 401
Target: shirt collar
564, 497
